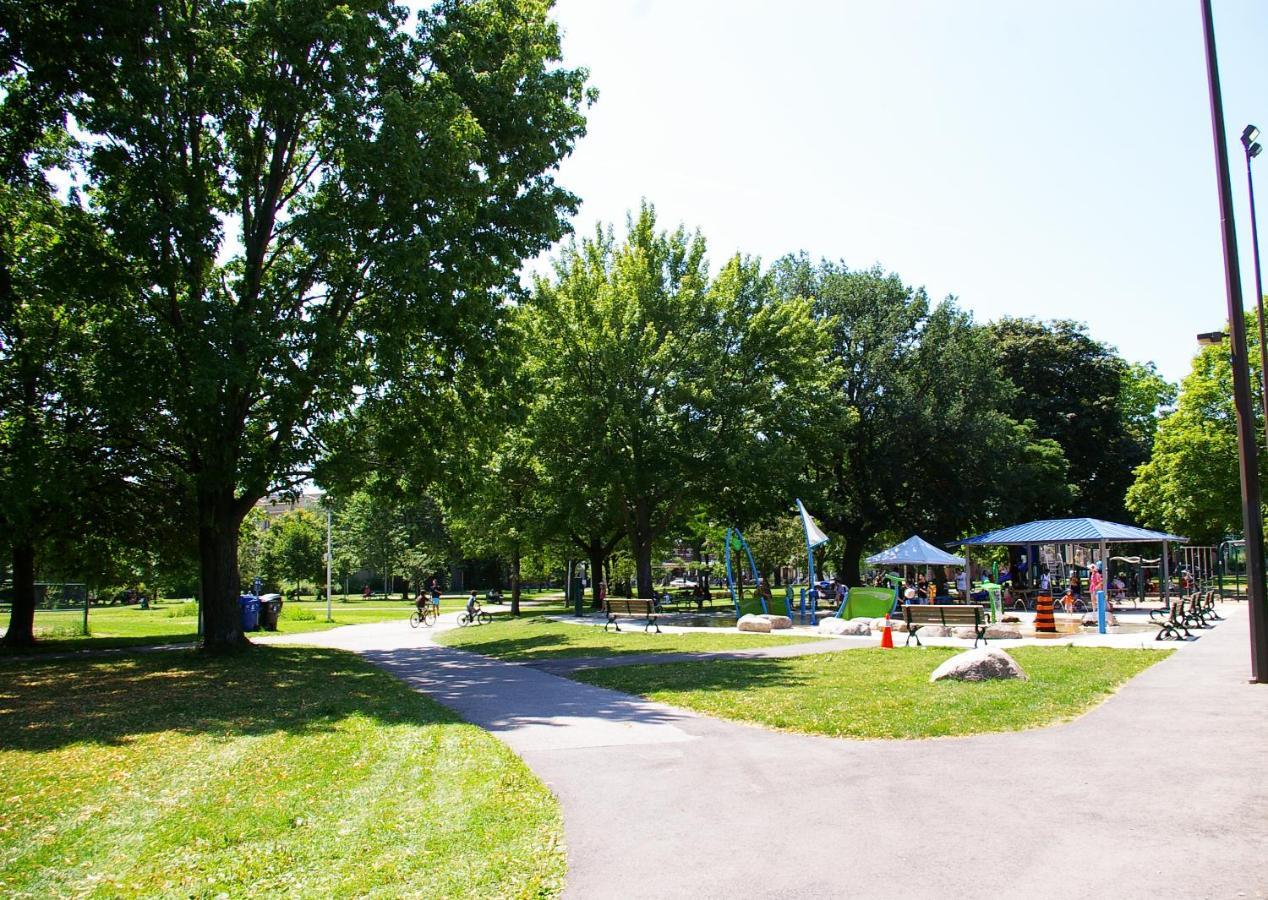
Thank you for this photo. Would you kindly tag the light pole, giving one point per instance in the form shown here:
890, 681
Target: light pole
1249, 134
1247, 446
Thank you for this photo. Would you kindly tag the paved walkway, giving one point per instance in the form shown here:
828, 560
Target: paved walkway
1156, 793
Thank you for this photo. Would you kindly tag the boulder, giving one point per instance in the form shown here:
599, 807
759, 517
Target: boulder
1009, 619
898, 625
778, 622
967, 632
859, 626
1090, 619
983, 664
833, 626
758, 624
1003, 631
878, 625
925, 631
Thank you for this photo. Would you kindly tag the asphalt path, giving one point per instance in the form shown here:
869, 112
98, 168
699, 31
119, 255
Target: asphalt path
1158, 792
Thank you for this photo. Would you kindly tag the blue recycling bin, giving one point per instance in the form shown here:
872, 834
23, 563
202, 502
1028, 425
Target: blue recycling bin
250, 607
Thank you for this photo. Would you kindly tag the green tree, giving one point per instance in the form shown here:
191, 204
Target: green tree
914, 406
253, 542
663, 381
296, 547
500, 511
1079, 392
308, 190
1191, 484
64, 456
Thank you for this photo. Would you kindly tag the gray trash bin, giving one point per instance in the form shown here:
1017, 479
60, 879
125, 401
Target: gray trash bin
270, 609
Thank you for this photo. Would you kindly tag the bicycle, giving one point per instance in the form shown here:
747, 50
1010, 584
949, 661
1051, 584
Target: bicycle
423, 615
479, 616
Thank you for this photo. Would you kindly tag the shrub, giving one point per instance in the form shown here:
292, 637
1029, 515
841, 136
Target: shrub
181, 610
297, 613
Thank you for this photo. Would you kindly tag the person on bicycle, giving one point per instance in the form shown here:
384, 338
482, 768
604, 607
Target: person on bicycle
473, 605
420, 599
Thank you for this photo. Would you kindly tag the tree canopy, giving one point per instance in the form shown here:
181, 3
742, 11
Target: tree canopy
660, 388
1191, 484
308, 194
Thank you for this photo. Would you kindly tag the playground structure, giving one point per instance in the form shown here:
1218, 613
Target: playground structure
809, 596
1084, 532
737, 589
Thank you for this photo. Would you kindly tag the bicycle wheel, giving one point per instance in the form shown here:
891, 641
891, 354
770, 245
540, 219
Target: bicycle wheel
429, 616
464, 619
416, 618
486, 618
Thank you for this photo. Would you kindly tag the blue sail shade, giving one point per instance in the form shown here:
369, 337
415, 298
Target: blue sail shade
1070, 531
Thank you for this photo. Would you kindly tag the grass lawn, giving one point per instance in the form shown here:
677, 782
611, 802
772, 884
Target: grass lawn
176, 621
277, 772
874, 693
536, 637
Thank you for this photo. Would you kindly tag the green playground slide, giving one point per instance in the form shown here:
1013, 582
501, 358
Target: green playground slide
868, 602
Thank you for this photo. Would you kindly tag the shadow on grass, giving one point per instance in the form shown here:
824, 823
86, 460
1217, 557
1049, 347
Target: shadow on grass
81, 644
713, 675
47, 704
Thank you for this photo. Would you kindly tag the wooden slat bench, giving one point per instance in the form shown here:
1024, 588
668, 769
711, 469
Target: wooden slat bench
622, 606
917, 616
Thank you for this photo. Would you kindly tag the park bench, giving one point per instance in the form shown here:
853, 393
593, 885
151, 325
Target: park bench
1172, 624
917, 616
623, 606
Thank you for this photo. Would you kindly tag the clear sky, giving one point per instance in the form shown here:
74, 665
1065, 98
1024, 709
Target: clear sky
1050, 158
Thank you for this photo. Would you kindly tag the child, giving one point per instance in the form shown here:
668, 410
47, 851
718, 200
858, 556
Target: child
473, 604
1067, 599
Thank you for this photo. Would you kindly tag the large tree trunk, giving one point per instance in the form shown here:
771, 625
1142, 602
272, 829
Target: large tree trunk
596, 571
851, 556
21, 631
641, 543
218, 571
515, 580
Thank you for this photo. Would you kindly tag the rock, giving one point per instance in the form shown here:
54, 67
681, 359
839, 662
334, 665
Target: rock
924, 631
842, 626
1010, 619
898, 625
757, 624
858, 626
778, 622
982, 664
833, 626
967, 632
878, 625
1003, 631
1090, 619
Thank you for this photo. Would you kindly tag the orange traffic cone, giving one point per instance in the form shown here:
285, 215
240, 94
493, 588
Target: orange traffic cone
887, 635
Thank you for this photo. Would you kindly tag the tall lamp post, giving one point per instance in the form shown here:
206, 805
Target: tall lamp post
1253, 149
1247, 455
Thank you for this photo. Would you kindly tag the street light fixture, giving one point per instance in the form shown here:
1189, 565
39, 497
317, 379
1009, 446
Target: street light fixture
1247, 446
1249, 133
1212, 338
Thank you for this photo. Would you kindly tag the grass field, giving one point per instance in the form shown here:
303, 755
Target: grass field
176, 621
874, 693
534, 637
277, 772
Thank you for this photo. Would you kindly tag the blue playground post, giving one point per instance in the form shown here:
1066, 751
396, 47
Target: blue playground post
730, 579
1100, 611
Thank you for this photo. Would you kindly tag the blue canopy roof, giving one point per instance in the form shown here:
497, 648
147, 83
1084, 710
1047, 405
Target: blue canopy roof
1071, 531
915, 551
